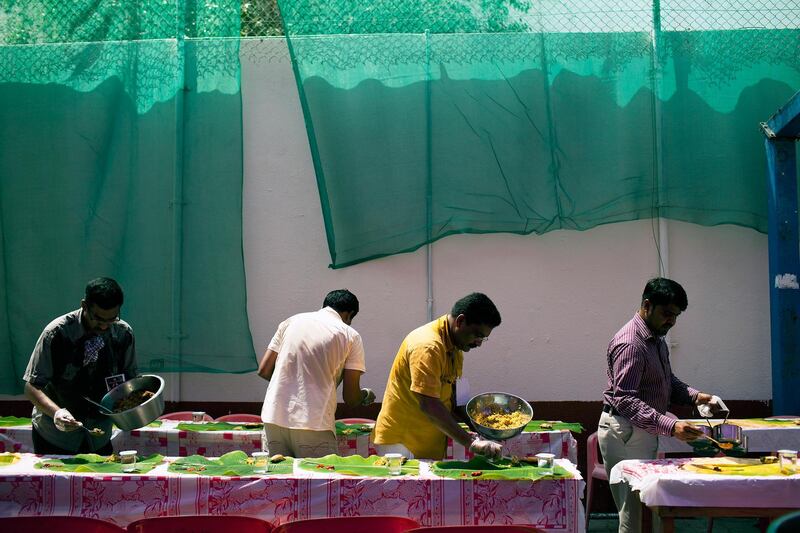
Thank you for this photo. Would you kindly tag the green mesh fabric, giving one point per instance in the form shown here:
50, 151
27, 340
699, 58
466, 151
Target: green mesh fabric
438, 117
121, 156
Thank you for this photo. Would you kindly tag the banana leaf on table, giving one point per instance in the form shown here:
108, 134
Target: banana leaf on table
481, 468
356, 465
10, 421
99, 464
219, 426
236, 463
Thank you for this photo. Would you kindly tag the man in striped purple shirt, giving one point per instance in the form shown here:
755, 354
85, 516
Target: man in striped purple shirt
641, 387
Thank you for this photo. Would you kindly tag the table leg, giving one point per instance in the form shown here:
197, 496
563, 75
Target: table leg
647, 519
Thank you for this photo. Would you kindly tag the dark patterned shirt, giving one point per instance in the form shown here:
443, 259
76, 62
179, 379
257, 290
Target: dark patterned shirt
641, 385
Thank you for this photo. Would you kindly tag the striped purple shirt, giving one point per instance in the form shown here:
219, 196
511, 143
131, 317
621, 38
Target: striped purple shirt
641, 385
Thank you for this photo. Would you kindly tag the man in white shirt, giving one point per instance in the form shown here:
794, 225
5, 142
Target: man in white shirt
306, 359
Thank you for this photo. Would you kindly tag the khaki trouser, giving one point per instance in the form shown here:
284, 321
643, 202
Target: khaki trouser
620, 440
298, 442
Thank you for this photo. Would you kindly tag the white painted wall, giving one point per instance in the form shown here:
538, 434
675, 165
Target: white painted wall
562, 295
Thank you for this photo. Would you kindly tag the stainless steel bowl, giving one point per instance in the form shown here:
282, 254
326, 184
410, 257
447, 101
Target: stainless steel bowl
729, 433
142, 414
483, 403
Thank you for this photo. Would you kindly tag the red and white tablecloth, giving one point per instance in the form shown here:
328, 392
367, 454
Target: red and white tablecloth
168, 440
552, 505
662, 483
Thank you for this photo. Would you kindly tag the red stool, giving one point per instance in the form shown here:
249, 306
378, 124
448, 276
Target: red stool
350, 524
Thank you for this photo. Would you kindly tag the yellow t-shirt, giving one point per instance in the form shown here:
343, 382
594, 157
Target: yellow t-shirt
426, 363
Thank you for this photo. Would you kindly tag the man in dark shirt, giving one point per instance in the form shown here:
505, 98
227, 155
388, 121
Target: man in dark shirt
86, 352
641, 387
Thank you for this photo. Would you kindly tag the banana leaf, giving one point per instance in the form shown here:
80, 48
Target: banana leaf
535, 426
9, 421
236, 463
8, 458
219, 426
353, 429
706, 448
481, 468
732, 467
356, 465
99, 464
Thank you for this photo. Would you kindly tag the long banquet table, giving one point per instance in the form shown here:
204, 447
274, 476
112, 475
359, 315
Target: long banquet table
672, 492
762, 435
168, 440
550, 504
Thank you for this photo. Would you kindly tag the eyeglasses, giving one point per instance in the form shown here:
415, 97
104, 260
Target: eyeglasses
99, 319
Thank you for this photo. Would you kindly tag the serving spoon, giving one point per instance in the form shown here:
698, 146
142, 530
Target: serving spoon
720, 445
102, 407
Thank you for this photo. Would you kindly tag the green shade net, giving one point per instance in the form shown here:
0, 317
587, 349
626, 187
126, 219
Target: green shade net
431, 118
121, 156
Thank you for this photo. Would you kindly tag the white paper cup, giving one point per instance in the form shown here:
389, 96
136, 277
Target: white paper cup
198, 416
395, 462
128, 460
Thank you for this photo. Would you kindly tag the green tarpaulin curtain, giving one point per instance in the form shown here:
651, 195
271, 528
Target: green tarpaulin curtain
434, 117
121, 156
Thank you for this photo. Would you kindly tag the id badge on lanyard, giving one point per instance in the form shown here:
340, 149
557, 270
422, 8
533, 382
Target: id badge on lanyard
113, 381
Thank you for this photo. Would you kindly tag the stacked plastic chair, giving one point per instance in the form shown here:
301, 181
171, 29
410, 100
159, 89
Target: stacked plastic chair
240, 417
184, 416
200, 524
595, 469
355, 420
61, 524
478, 529
350, 524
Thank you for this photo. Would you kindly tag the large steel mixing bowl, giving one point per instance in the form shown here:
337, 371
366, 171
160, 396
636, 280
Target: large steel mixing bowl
490, 402
145, 412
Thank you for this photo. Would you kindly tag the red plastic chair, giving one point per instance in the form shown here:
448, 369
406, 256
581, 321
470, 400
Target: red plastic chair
240, 417
350, 524
478, 529
200, 524
596, 469
62, 524
184, 416
356, 421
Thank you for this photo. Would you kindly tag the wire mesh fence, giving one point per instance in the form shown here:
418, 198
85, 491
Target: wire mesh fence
48, 21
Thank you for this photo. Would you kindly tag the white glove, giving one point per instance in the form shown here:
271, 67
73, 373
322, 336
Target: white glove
491, 449
715, 405
64, 421
367, 396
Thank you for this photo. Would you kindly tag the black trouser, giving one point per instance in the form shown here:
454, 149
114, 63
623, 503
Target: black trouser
43, 446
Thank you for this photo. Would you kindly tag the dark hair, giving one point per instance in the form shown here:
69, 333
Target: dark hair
104, 293
477, 308
341, 300
663, 291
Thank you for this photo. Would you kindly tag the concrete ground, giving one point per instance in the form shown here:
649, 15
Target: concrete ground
608, 523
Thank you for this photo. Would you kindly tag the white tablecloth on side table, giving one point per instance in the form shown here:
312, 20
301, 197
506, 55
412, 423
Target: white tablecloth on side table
662, 483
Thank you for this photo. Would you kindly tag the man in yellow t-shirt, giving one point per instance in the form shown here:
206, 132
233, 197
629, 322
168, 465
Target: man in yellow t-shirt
417, 409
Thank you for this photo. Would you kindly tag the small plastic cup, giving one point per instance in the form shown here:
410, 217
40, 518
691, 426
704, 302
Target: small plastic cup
546, 461
788, 461
198, 417
394, 462
260, 462
128, 460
